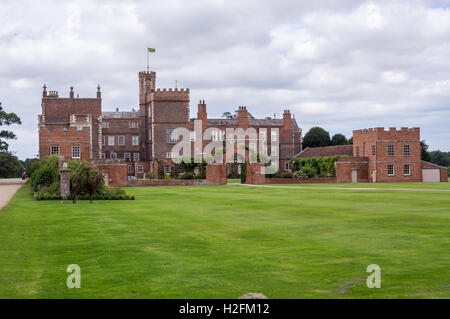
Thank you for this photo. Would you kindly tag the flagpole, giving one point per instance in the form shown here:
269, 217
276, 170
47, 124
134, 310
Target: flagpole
148, 67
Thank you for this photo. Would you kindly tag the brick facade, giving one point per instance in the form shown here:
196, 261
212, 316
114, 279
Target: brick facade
76, 127
345, 166
383, 156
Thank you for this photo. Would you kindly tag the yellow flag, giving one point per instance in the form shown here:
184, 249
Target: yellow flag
151, 50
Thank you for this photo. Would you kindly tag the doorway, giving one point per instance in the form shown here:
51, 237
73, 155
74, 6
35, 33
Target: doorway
354, 176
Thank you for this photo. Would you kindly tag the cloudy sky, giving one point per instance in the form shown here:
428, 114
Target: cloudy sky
341, 65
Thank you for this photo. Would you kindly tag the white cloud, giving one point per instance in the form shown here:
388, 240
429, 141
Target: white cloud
342, 65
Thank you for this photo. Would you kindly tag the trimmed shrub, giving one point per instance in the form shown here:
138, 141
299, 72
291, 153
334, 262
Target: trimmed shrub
187, 175
286, 175
324, 166
43, 177
308, 171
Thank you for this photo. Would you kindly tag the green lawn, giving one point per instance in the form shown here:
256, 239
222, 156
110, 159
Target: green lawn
224, 241
445, 186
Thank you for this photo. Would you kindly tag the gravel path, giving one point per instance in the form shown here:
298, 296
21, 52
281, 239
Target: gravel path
8, 187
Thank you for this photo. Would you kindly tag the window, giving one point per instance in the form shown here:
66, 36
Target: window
262, 135
121, 140
105, 124
274, 151
215, 135
192, 136
136, 157
170, 138
181, 170
103, 140
54, 150
167, 169
140, 169
390, 150
127, 157
357, 151
133, 125
170, 155
406, 169
135, 140
75, 152
406, 151
273, 135
103, 156
130, 168
111, 140
390, 170
113, 155
288, 165
373, 149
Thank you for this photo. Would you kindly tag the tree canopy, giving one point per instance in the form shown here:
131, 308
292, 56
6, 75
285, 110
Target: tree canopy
230, 116
7, 119
316, 137
10, 165
339, 139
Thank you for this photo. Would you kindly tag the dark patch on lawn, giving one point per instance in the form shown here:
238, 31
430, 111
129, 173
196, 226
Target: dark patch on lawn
344, 287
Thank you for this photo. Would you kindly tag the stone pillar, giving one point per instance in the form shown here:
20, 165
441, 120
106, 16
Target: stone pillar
64, 181
255, 174
216, 174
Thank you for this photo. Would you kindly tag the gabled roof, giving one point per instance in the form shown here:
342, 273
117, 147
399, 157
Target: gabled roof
326, 151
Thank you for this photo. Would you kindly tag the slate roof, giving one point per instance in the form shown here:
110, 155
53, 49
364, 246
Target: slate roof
326, 151
122, 115
253, 122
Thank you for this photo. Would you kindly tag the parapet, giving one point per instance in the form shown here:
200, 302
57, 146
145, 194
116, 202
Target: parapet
392, 132
171, 95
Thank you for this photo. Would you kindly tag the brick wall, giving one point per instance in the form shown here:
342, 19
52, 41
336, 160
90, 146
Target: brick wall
253, 174
116, 170
166, 182
216, 174
345, 166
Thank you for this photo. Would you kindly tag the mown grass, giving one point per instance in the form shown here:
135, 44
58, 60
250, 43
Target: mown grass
225, 241
445, 186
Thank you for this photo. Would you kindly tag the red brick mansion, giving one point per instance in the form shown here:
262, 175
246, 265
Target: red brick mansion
76, 128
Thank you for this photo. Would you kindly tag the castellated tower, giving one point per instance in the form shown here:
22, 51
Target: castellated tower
71, 126
161, 110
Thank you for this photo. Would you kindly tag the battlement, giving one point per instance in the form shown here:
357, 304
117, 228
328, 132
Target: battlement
171, 94
382, 130
146, 72
53, 94
392, 133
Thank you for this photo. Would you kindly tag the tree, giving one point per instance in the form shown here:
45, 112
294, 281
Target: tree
10, 166
230, 116
315, 137
338, 139
227, 115
425, 155
440, 158
7, 119
350, 141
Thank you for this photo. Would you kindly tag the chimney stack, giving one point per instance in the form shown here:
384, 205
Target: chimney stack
99, 93
242, 117
71, 92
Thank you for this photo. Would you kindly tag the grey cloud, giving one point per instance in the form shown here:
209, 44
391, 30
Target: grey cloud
342, 65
